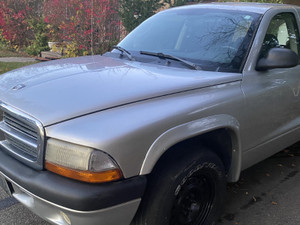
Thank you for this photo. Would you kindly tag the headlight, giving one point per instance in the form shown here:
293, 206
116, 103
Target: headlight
80, 162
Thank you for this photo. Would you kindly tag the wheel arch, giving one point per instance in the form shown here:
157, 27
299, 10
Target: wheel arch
219, 133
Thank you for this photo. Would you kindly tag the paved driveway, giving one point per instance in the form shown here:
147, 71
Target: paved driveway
17, 59
267, 194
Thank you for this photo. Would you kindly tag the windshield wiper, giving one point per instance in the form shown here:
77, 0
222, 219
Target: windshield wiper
165, 56
123, 50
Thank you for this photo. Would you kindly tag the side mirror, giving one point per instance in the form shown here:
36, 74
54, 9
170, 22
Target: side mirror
278, 58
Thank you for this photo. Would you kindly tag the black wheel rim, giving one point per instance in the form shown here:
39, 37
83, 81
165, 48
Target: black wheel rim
194, 201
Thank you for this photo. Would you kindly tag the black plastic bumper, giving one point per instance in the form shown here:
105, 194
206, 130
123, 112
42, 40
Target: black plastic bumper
70, 193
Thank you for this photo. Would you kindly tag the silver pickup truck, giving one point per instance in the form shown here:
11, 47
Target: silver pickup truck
151, 132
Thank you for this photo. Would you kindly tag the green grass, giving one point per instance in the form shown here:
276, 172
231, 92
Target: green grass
9, 53
7, 66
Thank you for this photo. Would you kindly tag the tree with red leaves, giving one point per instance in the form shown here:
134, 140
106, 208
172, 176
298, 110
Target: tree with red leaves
14, 20
92, 25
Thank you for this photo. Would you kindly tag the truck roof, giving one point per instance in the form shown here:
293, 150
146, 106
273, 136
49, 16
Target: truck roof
254, 7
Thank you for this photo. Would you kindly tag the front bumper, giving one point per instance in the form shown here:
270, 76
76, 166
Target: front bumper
64, 201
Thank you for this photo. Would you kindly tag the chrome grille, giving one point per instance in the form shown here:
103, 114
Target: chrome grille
19, 125
21, 136
21, 147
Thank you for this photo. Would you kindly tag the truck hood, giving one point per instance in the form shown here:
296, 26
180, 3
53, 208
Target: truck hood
64, 89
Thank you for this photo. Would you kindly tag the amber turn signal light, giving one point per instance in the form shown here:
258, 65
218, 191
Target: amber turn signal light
85, 176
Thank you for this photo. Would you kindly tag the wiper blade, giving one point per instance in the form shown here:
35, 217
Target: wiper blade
162, 55
123, 50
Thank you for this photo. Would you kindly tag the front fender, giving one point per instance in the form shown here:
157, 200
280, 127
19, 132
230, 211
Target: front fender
192, 129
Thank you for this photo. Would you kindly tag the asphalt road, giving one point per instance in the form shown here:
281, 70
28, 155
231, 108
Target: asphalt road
267, 194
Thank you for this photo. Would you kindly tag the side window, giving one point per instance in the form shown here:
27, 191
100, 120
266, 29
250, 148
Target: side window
282, 33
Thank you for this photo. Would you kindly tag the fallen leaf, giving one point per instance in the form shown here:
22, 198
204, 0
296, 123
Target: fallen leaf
268, 175
274, 203
246, 193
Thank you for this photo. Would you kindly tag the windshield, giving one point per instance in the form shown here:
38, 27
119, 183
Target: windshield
216, 40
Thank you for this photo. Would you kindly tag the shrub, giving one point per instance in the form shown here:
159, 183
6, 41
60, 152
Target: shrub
40, 43
3, 41
89, 25
14, 20
134, 12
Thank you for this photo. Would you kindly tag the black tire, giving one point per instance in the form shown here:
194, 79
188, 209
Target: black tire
189, 190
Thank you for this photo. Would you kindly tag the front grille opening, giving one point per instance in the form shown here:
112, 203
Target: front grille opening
21, 136
21, 147
20, 126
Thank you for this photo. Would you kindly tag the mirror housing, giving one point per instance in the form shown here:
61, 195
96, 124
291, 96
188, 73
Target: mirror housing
278, 58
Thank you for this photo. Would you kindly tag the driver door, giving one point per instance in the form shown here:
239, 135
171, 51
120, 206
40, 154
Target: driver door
272, 98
